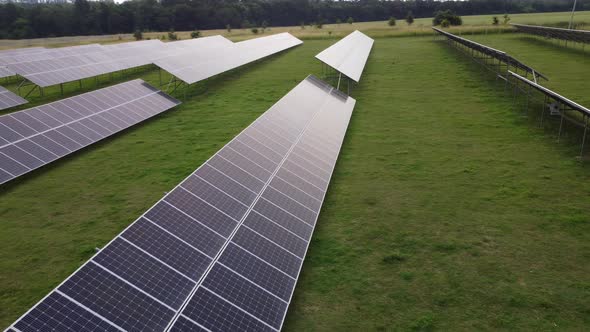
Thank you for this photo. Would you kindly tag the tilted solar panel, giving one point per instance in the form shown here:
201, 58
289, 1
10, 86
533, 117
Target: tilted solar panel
497, 54
192, 68
550, 93
37, 136
222, 250
5, 72
349, 55
579, 36
49, 53
10, 99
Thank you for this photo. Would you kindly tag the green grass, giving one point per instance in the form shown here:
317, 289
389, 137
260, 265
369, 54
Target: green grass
447, 210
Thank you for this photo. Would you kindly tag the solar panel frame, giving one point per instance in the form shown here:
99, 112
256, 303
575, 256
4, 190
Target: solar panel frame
572, 104
37, 136
497, 54
298, 117
578, 36
349, 55
10, 99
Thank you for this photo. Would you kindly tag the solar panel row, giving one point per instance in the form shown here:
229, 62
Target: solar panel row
552, 94
349, 55
47, 53
70, 68
222, 56
222, 250
492, 52
579, 36
9, 99
5, 72
35, 137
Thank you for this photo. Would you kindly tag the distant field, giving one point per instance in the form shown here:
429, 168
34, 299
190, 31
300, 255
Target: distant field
374, 29
448, 209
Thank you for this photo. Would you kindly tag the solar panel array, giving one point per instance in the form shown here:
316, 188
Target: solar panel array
5, 72
223, 56
9, 99
37, 136
578, 36
349, 55
18, 56
73, 67
492, 52
223, 250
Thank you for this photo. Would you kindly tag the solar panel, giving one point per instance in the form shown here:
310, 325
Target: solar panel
70, 68
349, 55
9, 99
579, 36
554, 95
223, 249
492, 52
192, 67
5, 72
48, 53
37, 136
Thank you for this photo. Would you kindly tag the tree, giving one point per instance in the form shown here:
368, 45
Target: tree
350, 20
254, 31
445, 23
506, 19
495, 20
195, 34
410, 18
138, 35
391, 21
172, 35
264, 25
228, 28
448, 15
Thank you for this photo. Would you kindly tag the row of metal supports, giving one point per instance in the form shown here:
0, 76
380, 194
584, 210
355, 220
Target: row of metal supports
501, 70
563, 111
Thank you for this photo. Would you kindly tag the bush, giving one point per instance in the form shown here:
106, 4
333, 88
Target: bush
319, 25
138, 35
506, 19
495, 20
228, 28
391, 21
448, 15
410, 18
254, 31
445, 23
350, 20
172, 35
196, 34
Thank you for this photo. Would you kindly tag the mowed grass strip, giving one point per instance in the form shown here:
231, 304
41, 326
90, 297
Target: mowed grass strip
446, 210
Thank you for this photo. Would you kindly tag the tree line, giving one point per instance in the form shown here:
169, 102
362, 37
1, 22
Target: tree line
83, 17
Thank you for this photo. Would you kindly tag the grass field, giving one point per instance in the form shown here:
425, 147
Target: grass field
479, 23
448, 210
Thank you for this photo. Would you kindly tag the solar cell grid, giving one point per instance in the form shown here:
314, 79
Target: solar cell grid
9, 99
579, 36
57, 129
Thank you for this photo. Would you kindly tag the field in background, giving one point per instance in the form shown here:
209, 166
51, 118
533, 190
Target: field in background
448, 209
373, 29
